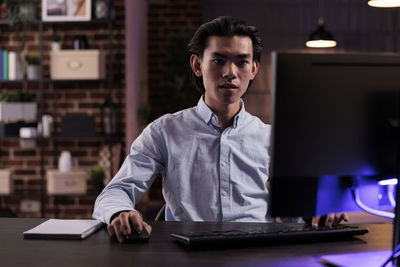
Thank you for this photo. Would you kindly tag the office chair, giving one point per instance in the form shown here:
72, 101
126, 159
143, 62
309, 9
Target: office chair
6, 212
161, 214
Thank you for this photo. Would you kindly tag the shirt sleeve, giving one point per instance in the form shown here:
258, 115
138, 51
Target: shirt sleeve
137, 173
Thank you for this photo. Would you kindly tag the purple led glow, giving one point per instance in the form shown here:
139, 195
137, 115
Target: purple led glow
368, 209
391, 181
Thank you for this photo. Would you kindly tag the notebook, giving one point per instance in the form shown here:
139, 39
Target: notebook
63, 229
368, 258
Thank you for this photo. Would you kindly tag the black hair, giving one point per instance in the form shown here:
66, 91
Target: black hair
222, 26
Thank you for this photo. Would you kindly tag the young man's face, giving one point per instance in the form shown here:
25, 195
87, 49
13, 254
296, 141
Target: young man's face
226, 67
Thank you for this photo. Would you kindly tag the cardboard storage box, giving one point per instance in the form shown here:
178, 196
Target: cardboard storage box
63, 183
5, 182
16, 111
77, 64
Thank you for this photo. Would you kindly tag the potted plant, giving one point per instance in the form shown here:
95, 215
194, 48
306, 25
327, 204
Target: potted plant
5, 180
21, 13
176, 87
17, 106
56, 43
33, 68
97, 175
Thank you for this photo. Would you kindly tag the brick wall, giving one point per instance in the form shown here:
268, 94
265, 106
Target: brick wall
168, 20
165, 17
70, 98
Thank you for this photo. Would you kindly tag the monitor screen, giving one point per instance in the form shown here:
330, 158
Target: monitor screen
335, 122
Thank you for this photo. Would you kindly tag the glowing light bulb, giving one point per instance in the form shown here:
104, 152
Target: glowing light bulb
384, 3
321, 43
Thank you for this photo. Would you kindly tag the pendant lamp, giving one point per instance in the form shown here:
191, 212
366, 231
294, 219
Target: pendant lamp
384, 3
321, 38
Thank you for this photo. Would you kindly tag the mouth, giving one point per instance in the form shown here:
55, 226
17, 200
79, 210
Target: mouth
228, 86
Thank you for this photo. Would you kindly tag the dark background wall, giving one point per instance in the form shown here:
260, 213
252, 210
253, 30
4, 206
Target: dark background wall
284, 25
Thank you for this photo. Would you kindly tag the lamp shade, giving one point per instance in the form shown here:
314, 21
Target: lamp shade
321, 38
384, 3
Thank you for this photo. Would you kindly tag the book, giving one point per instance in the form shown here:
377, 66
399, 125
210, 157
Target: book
12, 60
1, 65
5, 64
15, 71
63, 229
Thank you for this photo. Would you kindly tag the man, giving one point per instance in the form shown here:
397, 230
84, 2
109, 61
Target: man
213, 157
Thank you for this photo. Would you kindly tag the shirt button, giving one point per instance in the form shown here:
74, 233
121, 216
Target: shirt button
223, 164
224, 193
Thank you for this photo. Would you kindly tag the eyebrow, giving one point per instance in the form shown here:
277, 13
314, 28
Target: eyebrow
216, 54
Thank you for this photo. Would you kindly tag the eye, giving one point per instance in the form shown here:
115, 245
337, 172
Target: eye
242, 62
218, 61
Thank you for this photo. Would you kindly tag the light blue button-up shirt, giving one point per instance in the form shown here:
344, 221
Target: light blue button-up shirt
209, 173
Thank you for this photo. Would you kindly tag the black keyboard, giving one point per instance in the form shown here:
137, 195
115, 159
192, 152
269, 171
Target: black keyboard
269, 233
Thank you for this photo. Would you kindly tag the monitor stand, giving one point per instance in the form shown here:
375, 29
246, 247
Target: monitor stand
396, 225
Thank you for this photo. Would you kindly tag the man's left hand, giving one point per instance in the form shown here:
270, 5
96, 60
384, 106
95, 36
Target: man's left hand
329, 220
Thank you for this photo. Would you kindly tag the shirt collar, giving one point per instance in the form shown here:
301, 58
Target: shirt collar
240, 117
207, 115
204, 111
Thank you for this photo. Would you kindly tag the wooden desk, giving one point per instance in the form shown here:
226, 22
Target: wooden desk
98, 250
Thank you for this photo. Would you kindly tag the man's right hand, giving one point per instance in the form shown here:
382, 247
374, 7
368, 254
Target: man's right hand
119, 226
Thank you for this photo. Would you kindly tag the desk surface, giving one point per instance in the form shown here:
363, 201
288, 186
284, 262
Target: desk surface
99, 250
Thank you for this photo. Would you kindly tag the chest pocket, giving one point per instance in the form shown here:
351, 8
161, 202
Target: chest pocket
205, 158
205, 152
195, 155
182, 153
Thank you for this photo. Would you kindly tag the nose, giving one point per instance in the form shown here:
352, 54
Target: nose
229, 71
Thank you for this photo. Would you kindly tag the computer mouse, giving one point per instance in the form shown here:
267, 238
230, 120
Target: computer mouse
135, 236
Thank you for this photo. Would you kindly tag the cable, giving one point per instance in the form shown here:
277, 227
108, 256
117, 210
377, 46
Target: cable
394, 255
356, 197
391, 192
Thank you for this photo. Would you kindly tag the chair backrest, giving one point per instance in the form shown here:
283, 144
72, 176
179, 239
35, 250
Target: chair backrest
6, 212
160, 215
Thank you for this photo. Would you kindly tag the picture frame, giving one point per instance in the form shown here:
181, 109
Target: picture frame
66, 10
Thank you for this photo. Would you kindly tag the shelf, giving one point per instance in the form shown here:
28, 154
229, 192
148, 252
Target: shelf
21, 195
38, 195
97, 21
41, 29
102, 137
7, 22
17, 138
48, 80
71, 81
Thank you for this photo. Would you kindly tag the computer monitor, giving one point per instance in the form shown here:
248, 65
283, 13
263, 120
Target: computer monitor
335, 124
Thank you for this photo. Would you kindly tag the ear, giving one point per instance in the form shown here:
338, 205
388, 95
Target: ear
195, 63
254, 69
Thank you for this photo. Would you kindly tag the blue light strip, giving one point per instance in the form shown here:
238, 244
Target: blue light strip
364, 207
391, 192
390, 181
